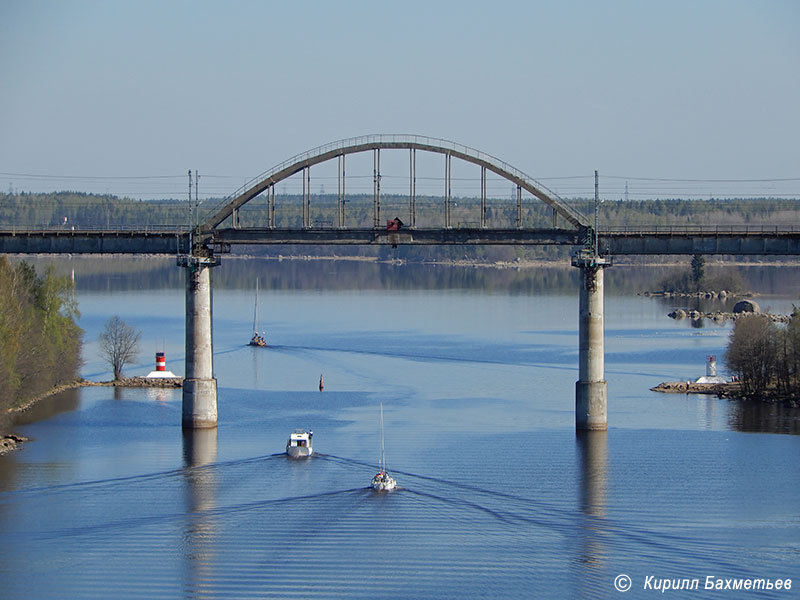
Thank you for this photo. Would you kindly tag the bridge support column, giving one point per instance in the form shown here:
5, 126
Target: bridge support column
199, 384
590, 389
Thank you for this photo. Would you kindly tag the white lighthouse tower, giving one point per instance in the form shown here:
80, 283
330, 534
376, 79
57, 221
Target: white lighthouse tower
711, 371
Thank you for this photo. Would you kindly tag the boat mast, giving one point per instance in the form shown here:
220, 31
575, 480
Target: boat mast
383, 453
255, 311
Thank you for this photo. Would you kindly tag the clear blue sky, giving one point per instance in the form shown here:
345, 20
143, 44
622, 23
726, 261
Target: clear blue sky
694, 89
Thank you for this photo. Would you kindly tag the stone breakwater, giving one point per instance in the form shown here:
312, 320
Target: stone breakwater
723, 390
730, 391
139, 382
711, 294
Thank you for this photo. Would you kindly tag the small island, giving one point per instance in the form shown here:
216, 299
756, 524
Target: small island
763, 353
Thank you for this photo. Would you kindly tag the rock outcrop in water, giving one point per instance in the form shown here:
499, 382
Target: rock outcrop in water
10, 442
720, 316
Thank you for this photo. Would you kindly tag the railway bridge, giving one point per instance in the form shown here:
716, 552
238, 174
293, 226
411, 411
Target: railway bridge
200, 245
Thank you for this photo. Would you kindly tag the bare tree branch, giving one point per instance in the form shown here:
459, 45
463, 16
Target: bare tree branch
119, 344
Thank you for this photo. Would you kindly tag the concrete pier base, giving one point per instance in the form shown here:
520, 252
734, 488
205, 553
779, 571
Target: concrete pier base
199, 385
199, 403
591, 406
591, 412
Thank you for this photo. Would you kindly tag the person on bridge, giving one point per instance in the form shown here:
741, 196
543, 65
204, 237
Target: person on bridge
394, 225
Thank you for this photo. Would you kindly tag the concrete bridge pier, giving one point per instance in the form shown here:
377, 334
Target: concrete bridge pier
199, 384
590, 389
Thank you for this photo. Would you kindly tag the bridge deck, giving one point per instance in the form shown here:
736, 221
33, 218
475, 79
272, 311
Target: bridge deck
735, 240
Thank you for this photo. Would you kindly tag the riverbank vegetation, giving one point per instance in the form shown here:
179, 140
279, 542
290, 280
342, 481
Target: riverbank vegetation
765, 357
40, 342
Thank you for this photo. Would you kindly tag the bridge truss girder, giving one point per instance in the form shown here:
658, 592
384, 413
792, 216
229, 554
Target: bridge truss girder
338, 150
366, 236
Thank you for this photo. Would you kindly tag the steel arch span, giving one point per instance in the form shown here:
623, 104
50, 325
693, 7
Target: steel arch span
341, 148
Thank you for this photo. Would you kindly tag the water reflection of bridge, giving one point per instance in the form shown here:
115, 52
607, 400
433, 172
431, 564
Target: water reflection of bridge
511, 222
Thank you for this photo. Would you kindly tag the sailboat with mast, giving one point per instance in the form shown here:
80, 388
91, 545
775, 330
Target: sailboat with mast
257, 339
383, 482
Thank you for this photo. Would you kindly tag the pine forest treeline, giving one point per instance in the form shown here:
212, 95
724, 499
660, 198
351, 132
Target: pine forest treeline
40, 343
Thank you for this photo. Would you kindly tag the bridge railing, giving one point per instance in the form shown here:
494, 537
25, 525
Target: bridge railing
377, 139
139, 229
749, 229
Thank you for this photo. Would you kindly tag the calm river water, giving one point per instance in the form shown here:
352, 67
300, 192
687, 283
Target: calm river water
476, 372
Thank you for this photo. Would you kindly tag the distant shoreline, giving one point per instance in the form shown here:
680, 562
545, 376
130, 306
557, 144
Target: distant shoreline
513, 264
517, 263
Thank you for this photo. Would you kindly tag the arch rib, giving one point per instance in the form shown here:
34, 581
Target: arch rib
400, 142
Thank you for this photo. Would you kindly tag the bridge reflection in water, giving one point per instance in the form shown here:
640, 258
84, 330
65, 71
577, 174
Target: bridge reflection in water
199, 538
592, 447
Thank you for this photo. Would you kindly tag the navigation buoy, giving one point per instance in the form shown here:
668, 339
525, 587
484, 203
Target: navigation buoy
321, 384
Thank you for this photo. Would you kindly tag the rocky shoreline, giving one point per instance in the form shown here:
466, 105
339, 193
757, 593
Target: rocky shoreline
138, 382
730, 391
11, 442
722, 390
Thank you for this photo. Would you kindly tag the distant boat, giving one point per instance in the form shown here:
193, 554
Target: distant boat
299, 444
257, 339
383, 482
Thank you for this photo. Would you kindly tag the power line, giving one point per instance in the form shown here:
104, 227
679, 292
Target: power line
91, 177
701, 180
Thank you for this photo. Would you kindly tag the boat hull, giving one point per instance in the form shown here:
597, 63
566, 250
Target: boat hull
383, 483
299, 451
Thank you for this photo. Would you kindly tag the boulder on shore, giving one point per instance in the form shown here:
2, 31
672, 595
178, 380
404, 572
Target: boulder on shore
746, 306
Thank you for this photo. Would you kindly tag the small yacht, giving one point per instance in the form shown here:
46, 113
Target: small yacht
258, 340
299, 444
383, 482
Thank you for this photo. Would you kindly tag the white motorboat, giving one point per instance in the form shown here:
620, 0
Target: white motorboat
299, 444
383, 482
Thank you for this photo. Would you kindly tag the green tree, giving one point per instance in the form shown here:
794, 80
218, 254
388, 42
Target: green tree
40, 342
